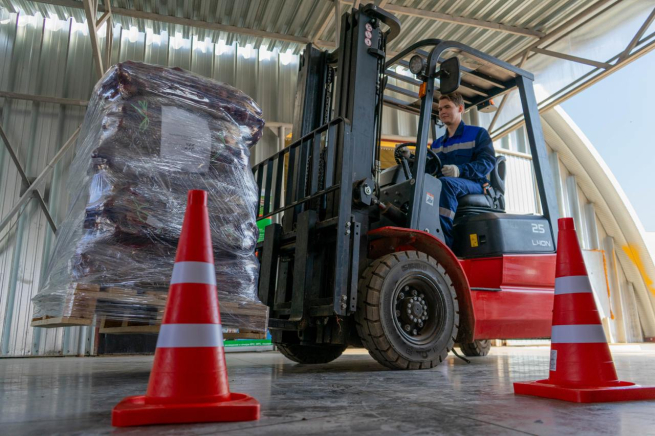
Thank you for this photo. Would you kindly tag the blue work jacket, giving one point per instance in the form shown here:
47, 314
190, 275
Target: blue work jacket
471, 149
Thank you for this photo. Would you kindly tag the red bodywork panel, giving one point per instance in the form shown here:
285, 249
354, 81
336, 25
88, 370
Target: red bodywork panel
506, 297
512, 295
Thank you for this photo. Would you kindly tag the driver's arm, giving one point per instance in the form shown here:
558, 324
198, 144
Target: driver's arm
483, 159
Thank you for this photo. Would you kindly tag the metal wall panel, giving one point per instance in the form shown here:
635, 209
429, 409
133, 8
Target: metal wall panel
53, 58
520, 192
39, 59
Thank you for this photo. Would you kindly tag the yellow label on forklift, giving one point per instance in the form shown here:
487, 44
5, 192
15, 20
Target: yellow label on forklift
474, 240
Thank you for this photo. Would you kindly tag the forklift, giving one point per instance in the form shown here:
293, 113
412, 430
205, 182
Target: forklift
355, 255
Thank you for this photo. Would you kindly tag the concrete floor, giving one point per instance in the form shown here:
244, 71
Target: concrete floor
354, 394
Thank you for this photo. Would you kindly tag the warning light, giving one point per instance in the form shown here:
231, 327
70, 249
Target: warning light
423, 90
487, 106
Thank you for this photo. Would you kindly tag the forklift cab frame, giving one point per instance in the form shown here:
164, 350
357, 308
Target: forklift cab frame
501, 78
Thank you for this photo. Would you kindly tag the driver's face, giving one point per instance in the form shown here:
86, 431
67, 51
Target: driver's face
449, 112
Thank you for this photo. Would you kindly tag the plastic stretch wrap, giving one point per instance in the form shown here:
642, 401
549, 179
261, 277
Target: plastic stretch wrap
149, 136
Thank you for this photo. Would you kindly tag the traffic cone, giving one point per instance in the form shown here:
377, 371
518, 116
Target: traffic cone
581, 366
188, 382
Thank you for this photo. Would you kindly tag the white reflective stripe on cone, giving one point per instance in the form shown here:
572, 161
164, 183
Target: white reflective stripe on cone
578, 334
572, 285
193, 272
190, 335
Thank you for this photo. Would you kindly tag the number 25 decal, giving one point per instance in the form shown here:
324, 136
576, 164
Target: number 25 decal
538, 228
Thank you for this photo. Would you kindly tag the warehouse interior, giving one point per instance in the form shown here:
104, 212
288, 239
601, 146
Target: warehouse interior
65, 372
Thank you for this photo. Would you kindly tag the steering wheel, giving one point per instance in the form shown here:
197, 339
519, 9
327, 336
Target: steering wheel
432, 165
399, 153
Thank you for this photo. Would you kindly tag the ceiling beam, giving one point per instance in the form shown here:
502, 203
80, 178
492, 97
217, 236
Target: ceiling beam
210, 26
505, 97
323, 28
595, 79
562, 28
132, 13
43, 98
447, 18
91, 11
109, 33
31, 188
638, 35
571, 58
583, 83
102, 19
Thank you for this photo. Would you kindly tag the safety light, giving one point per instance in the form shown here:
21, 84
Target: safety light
416, 64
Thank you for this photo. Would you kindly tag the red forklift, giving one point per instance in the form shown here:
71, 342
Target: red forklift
356, 255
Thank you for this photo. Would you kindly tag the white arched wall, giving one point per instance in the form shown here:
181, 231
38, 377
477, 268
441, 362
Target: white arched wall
589, 192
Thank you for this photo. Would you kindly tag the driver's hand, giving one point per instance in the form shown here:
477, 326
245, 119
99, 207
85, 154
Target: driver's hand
450, 171
406, 152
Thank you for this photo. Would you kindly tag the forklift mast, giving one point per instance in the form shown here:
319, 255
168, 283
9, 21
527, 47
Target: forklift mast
322, 182
347, 85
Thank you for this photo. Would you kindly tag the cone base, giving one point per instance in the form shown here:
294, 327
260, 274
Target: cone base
623, 391
134, 411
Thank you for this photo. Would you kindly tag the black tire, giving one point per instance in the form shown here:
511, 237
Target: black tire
382, 320
311, 354
476, 348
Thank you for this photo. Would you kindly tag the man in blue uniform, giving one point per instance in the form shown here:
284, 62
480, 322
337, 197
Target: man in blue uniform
467, 155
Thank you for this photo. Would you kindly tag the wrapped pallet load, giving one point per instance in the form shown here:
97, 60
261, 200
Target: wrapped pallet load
149, 136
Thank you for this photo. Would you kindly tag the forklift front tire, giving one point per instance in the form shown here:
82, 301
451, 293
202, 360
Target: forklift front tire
407, 311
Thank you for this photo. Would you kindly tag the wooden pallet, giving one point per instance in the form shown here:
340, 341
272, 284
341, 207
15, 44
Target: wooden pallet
62, 321
130, 311
126, 327
245, 334
80, 301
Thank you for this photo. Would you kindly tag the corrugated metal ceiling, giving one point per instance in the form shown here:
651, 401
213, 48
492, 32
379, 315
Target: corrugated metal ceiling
302, 19
540, 16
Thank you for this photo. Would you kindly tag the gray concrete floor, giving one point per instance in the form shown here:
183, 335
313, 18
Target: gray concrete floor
354, 394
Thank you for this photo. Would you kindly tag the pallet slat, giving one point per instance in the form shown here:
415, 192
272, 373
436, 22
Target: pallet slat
61, 322
128, 311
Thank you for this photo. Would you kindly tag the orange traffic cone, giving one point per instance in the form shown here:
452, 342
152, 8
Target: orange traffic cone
581, 366
188, 382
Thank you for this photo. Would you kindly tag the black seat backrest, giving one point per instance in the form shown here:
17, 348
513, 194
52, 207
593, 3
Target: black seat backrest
491, 201
498, 174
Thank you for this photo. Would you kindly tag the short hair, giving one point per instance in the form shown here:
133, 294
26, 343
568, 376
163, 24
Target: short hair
455, 97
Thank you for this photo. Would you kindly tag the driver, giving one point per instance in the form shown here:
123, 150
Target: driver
467, 155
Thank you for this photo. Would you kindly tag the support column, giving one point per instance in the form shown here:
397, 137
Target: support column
592, 229
91, 12
616, 302
553, 158
574, 208
29, 191
633, 331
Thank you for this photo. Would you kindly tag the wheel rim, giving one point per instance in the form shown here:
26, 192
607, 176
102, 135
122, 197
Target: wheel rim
418, 309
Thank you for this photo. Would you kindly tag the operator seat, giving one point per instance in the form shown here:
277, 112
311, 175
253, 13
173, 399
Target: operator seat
493, 200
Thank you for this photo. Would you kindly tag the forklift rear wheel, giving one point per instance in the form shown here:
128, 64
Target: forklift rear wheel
476, 348
311, 354
407, 311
